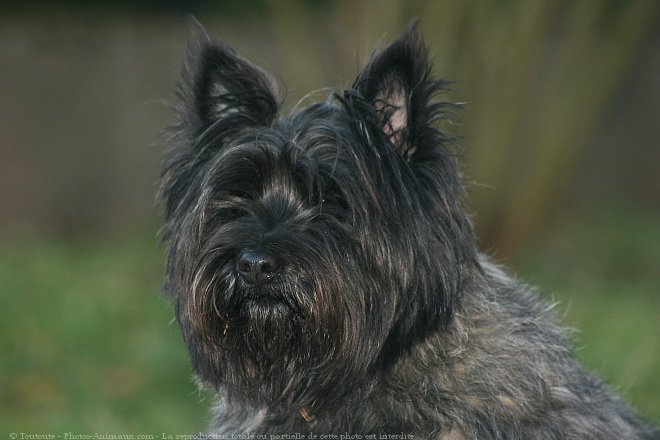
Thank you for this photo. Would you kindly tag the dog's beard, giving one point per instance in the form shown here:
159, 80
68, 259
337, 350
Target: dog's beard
270, 320
283, 344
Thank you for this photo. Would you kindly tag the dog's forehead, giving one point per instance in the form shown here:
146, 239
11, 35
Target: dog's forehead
318, 140
320, 116
304, 132
318, 128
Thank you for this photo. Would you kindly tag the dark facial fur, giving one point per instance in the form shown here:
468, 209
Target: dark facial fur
311, 255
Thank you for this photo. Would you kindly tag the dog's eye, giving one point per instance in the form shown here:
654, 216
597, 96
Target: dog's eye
231, 214
334, 204
227, 210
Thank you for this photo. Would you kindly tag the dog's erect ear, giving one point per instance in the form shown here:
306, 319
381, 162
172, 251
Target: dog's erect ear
221, 92
397, 82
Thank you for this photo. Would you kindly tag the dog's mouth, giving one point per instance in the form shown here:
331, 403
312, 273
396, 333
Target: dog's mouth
262, 299
271, 292
271, 300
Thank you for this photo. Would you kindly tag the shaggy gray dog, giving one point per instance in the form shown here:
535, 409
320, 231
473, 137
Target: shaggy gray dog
326, 276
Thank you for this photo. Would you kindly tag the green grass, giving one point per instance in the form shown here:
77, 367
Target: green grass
87, 345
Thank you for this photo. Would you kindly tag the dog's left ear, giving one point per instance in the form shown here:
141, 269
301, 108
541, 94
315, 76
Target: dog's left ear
397, 83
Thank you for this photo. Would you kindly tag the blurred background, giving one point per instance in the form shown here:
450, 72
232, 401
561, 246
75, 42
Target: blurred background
560, 138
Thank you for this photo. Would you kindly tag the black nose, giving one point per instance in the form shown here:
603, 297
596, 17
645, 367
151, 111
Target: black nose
258, 266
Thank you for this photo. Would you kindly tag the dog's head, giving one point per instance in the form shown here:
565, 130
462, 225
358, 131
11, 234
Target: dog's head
307, 251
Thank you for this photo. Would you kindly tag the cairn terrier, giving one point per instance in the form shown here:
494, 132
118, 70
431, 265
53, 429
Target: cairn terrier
326, 275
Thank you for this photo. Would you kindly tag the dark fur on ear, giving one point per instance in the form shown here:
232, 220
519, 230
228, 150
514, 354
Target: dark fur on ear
399, 85
221, 91
220, 94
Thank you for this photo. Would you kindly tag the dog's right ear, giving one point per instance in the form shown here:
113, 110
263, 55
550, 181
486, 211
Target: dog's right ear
222, 93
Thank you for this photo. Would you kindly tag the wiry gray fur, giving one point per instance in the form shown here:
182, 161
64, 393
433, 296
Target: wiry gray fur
503, 369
